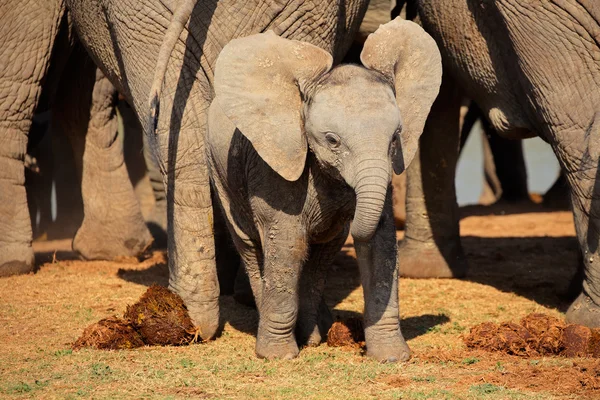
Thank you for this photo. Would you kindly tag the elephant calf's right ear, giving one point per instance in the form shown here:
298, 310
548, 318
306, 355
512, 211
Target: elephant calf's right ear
409, 57
258, 84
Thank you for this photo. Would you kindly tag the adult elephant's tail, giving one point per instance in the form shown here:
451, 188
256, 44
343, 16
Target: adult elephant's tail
180, 17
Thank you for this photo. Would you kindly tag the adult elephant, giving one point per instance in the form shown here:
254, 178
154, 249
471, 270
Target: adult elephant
124, 39
82, 101
533, 69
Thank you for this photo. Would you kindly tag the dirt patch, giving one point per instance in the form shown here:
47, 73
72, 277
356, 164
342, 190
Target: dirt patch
397, 381
581, 378
537, 334
159, 318
346, 333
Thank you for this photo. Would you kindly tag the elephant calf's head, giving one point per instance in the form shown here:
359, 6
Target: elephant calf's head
284, 96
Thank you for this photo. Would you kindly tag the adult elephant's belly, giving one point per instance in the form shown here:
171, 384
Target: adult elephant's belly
476, 51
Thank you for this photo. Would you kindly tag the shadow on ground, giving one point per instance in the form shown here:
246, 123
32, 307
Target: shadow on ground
50, 256
538, 268
503, 207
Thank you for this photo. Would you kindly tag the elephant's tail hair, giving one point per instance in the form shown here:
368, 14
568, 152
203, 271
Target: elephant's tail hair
179, 20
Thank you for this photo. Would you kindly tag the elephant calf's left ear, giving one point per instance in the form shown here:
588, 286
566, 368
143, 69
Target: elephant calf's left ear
258, 85
409, 57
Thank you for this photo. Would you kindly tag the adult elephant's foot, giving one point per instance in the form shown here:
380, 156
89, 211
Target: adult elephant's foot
584, 311
16, 260
105, 240
205, 315
284, 349
388, 350
419, 259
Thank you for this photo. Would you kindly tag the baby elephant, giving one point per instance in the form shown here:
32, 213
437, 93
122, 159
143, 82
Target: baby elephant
289, 208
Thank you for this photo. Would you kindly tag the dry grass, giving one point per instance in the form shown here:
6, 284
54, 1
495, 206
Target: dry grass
520, 263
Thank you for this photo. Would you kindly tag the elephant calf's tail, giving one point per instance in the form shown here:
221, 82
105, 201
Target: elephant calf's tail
182, 14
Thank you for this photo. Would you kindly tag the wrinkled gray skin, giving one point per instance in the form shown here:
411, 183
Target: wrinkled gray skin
46, 53
289, 208
539, 78
112, 224
124, 40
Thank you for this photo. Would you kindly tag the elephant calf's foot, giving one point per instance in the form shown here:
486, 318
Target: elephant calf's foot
426, 260
389, 350
310, 332
106, 241
16, 260
309, 337
276, 349
584, 311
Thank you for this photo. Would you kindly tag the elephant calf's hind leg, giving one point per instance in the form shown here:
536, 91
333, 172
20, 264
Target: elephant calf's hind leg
314, 317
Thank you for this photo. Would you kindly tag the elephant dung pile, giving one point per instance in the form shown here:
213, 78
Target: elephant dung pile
159, 318
110, 334
347, 333
536, 335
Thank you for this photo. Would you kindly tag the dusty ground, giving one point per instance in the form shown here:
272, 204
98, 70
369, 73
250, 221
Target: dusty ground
520, 263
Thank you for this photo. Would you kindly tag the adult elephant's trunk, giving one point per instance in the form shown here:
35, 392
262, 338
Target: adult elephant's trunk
371, 185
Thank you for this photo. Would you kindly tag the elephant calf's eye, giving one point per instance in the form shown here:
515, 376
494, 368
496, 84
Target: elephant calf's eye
332, 139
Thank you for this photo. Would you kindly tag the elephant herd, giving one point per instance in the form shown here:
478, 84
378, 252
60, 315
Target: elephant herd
258, 130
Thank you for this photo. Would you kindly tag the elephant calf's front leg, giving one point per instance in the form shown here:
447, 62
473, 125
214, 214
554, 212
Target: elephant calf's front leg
284, 254
379, 275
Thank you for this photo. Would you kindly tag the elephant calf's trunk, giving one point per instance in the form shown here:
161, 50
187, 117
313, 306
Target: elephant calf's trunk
371, 188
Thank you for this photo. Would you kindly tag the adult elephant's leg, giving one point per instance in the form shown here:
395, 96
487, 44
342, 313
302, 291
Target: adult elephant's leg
509, 164
585, 199
157, 220
113, 225
431, 247
378, 264
24, 62
190, 236
314, 317
558, 195
492, 188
